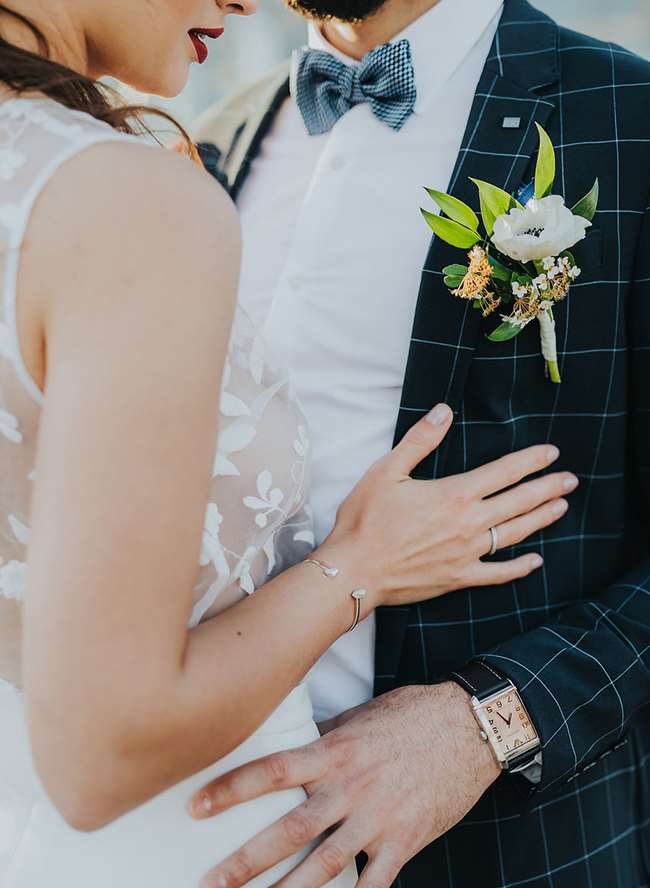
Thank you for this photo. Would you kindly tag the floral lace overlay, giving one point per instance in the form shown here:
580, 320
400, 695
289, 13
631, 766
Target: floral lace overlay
256, 521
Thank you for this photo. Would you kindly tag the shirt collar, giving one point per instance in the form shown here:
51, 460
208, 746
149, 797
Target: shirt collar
441, 40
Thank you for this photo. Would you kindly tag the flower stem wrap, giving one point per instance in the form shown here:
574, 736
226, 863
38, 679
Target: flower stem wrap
549, 343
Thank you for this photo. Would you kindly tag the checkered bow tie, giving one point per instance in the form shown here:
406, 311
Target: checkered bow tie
325, 88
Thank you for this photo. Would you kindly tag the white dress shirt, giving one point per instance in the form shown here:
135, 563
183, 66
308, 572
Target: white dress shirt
334, 246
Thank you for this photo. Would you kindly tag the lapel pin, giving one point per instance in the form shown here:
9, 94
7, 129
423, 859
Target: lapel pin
511, 122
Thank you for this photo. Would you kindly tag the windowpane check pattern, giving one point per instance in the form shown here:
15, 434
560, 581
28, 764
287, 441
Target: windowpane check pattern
575, 636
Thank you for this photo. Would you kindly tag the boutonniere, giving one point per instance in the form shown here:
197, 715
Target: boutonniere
521, 265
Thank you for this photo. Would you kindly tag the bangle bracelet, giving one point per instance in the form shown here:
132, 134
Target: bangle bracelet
357, 594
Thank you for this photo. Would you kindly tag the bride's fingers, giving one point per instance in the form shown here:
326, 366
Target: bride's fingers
508, 470
420, 440
519, 529
526, 497
497, 573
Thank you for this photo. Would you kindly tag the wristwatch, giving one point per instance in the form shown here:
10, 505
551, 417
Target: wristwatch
501, 715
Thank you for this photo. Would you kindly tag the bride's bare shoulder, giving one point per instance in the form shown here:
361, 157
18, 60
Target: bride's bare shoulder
135, 183
127, 207
131, 232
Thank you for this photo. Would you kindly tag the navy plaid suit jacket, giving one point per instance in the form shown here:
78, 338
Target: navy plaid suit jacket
575, 636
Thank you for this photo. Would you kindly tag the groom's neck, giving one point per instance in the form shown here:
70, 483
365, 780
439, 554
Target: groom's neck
357, 39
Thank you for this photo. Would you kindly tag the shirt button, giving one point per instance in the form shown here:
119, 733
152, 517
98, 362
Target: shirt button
337, 163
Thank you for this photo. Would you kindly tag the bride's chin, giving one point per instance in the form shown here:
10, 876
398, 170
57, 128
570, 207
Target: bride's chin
169, 92
174, 85
164, 91
167, 87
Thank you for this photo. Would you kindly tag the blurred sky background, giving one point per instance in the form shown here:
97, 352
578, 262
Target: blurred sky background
253, 46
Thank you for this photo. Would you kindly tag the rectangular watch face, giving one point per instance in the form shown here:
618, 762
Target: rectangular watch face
505, 720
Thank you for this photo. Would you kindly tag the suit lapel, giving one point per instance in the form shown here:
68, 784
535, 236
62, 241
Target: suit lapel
522, 61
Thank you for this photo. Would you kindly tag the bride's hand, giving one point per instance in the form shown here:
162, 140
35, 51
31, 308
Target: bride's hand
409, 540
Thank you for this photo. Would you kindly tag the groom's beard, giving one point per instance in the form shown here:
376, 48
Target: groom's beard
342, 10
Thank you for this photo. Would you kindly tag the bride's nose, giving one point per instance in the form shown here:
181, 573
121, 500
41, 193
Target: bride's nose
239, 7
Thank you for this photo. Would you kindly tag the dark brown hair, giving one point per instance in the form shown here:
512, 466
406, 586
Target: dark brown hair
36, 72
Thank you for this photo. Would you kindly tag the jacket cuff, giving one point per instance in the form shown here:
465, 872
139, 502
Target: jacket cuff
564, 756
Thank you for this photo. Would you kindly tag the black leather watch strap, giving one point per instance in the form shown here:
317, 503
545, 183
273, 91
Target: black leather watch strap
480, 680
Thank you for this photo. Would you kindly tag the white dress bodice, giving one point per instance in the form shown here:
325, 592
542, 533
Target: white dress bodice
255, 521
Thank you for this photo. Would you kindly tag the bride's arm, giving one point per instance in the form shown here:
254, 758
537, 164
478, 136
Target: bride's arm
129, 281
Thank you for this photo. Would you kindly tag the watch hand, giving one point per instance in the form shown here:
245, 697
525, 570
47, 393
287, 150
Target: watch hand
506, 720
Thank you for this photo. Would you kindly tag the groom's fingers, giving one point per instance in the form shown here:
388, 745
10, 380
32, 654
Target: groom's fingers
420, 440
328, 860
381, 871
285, 837
282, 770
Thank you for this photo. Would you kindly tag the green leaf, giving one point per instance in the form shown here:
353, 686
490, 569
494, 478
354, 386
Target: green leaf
499, 270
455, 270
545, 169
477, 304
453, 281
451, 232
494, 202
455, 209
504, 332
589, 204
487, 215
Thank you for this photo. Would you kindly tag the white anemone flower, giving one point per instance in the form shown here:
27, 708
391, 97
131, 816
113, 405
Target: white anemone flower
543, 228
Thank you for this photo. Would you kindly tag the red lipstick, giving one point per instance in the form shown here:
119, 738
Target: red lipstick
197, 35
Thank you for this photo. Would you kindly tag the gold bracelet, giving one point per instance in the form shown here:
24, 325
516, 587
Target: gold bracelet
356, 594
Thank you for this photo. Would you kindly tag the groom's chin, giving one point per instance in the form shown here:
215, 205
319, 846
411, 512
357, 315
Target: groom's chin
341, 10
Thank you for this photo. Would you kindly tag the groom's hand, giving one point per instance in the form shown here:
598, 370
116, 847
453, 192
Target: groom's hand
391, 777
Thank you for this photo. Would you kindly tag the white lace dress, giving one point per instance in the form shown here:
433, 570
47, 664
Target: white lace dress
256, 523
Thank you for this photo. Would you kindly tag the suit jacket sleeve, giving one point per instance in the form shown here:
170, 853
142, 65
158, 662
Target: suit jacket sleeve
586, 676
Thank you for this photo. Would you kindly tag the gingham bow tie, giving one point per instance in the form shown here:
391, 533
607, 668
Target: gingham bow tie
325, 88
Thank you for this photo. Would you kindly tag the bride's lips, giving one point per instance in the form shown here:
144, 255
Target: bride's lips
197, 35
